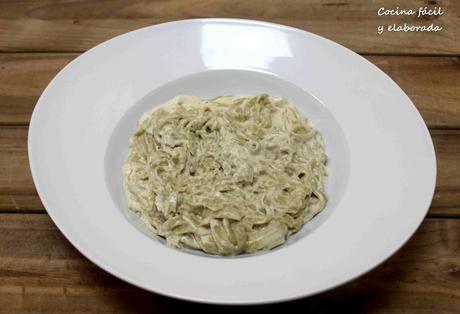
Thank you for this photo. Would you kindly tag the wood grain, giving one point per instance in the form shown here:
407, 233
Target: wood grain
23, 77
17, 191
446, 200
431, 83
41, 271
46, 25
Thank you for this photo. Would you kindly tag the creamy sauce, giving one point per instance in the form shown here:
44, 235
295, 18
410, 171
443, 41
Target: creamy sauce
230, 175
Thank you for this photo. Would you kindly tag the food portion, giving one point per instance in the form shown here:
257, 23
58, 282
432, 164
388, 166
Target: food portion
230, 175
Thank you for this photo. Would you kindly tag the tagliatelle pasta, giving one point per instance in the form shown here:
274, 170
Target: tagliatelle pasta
231, 175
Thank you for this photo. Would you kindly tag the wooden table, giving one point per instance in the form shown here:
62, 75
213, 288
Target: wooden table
41, 271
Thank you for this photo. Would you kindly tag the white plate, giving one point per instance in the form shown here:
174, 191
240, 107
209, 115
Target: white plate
381, 159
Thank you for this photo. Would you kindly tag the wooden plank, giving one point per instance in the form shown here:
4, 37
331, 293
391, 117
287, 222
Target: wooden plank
41, 271
46, 25
23, 77
431, 83
17, 191
446, 200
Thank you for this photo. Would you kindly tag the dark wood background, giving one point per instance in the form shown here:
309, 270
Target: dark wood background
40, 271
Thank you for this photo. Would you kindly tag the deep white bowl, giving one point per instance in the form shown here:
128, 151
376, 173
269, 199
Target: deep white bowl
382, 166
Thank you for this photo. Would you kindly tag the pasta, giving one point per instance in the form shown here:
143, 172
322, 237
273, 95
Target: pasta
230, 175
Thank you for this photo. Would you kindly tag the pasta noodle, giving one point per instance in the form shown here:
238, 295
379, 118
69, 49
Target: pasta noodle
230, 175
